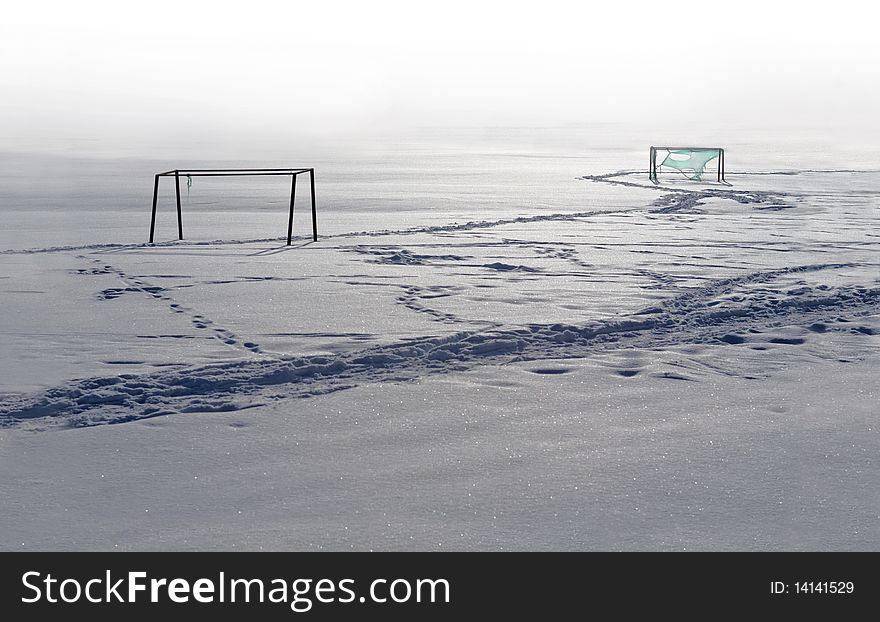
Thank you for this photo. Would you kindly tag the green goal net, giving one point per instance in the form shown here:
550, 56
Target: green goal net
689, 161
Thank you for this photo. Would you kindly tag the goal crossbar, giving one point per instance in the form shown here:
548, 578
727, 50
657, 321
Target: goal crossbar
234, 172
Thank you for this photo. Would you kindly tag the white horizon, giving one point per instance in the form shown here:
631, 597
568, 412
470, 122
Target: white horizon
97, 72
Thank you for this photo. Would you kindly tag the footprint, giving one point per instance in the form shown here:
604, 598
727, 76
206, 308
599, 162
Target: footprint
666, 375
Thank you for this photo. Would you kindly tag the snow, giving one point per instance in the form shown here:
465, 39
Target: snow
464, 360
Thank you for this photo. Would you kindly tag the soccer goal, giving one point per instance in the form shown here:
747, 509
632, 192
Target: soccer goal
234, 172
691, 162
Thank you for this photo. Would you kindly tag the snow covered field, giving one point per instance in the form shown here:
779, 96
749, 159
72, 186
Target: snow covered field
505, 347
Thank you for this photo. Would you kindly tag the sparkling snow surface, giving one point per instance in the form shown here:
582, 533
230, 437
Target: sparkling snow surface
490, 347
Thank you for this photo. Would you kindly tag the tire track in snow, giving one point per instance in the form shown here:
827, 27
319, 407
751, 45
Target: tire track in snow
427, 229
684, 199
614, 178
706, 314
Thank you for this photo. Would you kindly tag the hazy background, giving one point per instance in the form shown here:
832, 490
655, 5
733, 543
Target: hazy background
224, 78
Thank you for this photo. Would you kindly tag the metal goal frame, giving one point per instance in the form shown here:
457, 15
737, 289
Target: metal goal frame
654, 167
235, 172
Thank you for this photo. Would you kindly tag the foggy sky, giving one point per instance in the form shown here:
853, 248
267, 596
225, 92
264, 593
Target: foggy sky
99, 70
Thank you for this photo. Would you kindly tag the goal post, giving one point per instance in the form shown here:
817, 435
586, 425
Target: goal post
689, 161
235, 172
